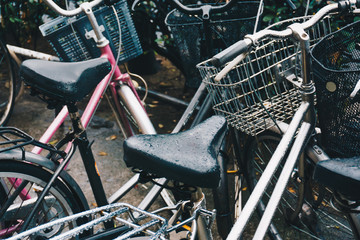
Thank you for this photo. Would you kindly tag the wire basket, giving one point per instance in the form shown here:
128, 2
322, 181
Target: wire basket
225, 29
336, 66
257, 92
127, 221
72, 38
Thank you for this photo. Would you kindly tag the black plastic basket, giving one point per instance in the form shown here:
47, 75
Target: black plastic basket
226, 28
70, 39
336, 66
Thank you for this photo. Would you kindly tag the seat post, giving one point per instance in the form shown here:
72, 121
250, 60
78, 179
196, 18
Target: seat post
75, 118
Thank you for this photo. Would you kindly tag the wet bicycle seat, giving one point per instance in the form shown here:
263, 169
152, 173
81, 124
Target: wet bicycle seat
189, 157
63, 81
341, 175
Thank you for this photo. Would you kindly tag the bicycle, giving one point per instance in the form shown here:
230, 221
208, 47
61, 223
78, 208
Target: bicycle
253, 92
37, 74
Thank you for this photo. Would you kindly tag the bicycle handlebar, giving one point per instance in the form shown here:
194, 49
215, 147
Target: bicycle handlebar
71, 13
203, 9
249, 41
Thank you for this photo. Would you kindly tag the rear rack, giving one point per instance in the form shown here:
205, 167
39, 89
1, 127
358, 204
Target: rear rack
14, 138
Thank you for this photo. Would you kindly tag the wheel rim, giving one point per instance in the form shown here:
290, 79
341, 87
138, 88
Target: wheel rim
55, 205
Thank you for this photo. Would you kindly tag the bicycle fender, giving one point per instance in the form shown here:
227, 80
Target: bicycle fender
17, 155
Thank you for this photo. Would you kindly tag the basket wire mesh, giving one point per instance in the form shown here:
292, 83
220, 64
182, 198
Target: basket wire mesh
336, 66
71, 38
257, 92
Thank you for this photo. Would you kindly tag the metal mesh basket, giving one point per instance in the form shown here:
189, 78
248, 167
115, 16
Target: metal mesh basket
256, 93
336, 67
71, 38
226, 28
128, 221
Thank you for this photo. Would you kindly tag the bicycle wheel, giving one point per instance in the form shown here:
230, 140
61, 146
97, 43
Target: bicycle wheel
7, 85
21, 184
316, 220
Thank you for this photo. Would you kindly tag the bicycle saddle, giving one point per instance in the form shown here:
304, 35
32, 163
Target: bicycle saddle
64, 81
341, 175
189, 157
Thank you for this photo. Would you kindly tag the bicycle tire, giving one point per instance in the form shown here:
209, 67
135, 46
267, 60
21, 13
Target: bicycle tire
64, 202
316, 220
228, 208
7, 85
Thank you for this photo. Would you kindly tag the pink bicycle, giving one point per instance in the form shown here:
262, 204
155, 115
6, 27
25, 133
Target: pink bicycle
23, 185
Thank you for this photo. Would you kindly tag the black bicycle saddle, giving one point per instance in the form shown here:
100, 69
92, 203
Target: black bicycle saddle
63, 81
189, 157
341, 175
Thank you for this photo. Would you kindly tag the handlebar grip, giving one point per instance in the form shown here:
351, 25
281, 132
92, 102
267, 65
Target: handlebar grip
345, 5
231, 52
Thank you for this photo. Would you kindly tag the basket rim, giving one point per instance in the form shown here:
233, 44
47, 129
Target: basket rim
211, 21
296, 19
324, 39
288, 20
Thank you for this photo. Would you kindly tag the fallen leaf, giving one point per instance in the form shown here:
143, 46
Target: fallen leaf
102, 154
112, 137
165, 84
54, 142
161, 125
155, 102
291, 190
152, 105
